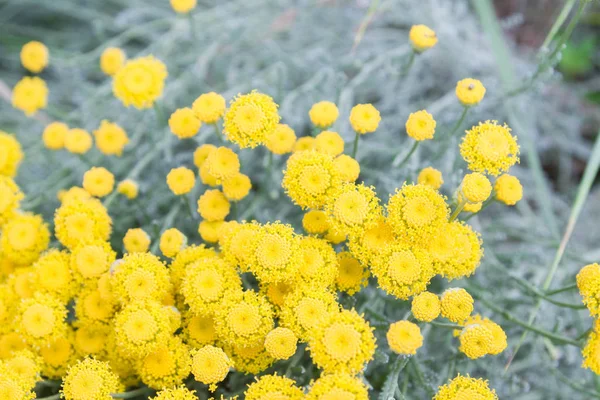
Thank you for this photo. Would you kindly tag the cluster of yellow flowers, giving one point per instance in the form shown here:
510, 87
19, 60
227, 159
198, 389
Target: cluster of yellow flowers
101, 322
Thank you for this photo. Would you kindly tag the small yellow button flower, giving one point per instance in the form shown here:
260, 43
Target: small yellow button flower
210, 365
181, 180
140, 82
11, 154
475, 341
404, 337
422, 37
457, 304
112, 60
183, 6
508, 189
490, 148
78, 141
250, 119
420, 125
330, 143
476, 187
110, 138
98, 181
304, 143
315, 221
431, 177
213, 205
281, 343
184, 123
364, 118
209, 230
171, 242
209, 107
465, 387
201, 154
426, 306
222, 163
236, 187
54, 135
323, 114
282, 140
348, 167
30, 94
90, 379
128, 188
34, 56
136, 241
470, 91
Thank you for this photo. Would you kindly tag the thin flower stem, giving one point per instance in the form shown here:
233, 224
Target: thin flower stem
234, 213
585, 334
355, 148
446, 325
540, 294
160, 115
410, 153
483, 207
109, 199
166, 224
130, 394
193, 32
459, 208
563, 289
411, 61
219, 132
459, 122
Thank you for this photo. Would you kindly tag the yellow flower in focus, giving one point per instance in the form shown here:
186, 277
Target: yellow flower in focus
23, 238
179, 393
183, 6
498, 336
181, 180
338, 386
112, 60
273, 387
201, 154
508, 189
184, 259
590, 353
141, 328
364, 118
470, 91
171, 242
30, 94
456, 250
11, 154
282, 140
281, 343
209, 230
90, 379
209, 107
236, 187
465, 387
54, 135
588, 283
128, 188
315, 222
136, 241
420, 126
222, 163
475, 187
353, 208
304, 143
330, 143
431, 177
404, 337
422, 38
250, 119
98, 181
184, 124
78, 141
426, 306
110, 138
457, 304
140, 276
352, 275
305, 307
475, 341
41, 319
250, 360
489, 148
140, 82
34, 56
323, 114
166, 366
275, 253
210, 365
213, 205
347, 167
81, 221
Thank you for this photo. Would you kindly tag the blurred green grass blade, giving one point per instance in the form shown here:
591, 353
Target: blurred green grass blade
560, 20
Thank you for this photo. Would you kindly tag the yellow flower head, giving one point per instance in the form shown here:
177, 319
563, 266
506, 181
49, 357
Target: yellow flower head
78, 141
310, 179
498, 336
209, 230
281, 343
489, 147
347, 167
91, 307
184, 259
590, 352
89, 261
353, 208
140, 82
276, 253
183, 6
41, 319
315, 222
91, 338
128, 188
364, 118
470, 91
250, 359
140, 276
210, 365
184, 123
274, 387
10, 199
431, 177
171, 242
81, 222
304, 143
352, 275
236, 187
282, 140
179, 393
54, 135
456, 250
420, 125
305, 307
317, 263
26, 365
112, 60
166, 366
53, 275
222, 163
90, 379
457, 304
335, 237
422, 37
34, 56
110, 138
475, 341
250, 119
136, 240
201, 154
181, 180
209, 107
508, 189
323, 114
23, 238
366, 245
465, 387
98, 181
11, 154
30, 94
330, 143
342, 343
213, 205
404, 337
425, 306
475, 187
199, 330
338, 386
588, 283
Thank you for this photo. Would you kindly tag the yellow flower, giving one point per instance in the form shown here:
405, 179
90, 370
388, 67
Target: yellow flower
23, 238
276, 253
457, 304
30, 94
210, 365
201, 154
276, 292
315, 222
11, 154
469, 207
78, 141
179, 393
41, 319
90, 339
420, 125
352, 275
54, 135
347, 167
236, 187
89, 261
184, 259
590, 353
305, 307
323, 114
26, 365
366, 245
209, 230
335, 237
136, 241
338, 386
364, 118
470, 91
34, 56
90, 379
304, 143
456, 250
98, 181
422, 37
282, 140
209, 107
588, 283
199, 330
508, 189
431, 177
317, 263
112, 60
425, 306
110, 138
404, 337
475, 187
353, 208
53, 275
184, 123
250, 359
128, 188
10, 199
342, 343
281, 343
496, 345
13, 386
465, 387
181, 180
166, 366
183, 6
213, 205
140, 82
81, 222
91, 307
171, 242
475, 341
222, 163
140, 276
250, 119
489, 147
330, 143
273, 387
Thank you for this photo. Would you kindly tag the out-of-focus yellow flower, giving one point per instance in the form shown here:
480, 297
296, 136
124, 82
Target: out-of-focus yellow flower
364, 118
323, 114
213, 205
11, 154
475, 187
431, 177
112, 60
183, 6
181, 180
136, 241
329, 142
110, 138
184, 123
140, 82
422, 37
236, 187
508, 189
30, 94
171, 242
54, 135
128, 188
304, 143
78, 141
209, 107
282, 140
98, 181
404, 337
420, 126
465, 387
272, 387
470, 91
34, 56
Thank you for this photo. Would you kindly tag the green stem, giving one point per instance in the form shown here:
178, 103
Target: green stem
218, 132
541, 295
411, 61
563, 289
355, 148
193, 31
166, 224
131, 393
109, 199
446, 325
459, 208
585, 334
160, 115
234, 213
483, 207
459, 122
564, 13
410, 153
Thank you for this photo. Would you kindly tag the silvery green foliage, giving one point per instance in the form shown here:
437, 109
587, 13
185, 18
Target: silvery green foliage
301, 52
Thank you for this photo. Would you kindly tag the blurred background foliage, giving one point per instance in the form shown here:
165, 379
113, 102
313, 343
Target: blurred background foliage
303, 51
